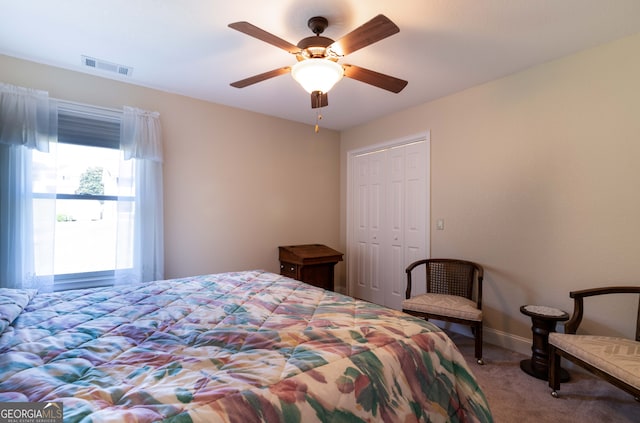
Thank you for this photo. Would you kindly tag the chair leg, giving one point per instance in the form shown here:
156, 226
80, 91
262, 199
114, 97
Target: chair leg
554, 371
478, 337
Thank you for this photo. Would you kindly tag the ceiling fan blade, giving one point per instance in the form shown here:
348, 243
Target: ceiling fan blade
374, 78
261, 77
261, 34
370, 32
319, 99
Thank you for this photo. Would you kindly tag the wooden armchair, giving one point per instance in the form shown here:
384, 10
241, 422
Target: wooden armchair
450, 295
617, 360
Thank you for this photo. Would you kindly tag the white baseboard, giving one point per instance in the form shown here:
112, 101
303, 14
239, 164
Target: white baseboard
492, 336
507, 340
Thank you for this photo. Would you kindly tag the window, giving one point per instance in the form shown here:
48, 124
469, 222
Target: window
90, 185
70, 213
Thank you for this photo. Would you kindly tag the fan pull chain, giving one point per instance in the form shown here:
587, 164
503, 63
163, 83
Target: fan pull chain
316, 102
318, 119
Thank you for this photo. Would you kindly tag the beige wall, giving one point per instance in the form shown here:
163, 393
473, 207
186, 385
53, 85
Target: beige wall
236, 184
537, 176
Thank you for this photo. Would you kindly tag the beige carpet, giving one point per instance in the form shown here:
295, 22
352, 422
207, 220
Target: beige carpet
517, 397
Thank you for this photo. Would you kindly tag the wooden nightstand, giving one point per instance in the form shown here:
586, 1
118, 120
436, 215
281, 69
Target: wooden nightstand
311, 263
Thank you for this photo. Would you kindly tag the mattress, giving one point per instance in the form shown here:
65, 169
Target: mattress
233, 347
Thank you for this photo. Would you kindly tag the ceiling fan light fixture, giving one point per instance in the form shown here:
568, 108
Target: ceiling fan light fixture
317, 74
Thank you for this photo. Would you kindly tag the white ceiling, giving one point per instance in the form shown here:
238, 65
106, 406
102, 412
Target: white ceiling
185, 46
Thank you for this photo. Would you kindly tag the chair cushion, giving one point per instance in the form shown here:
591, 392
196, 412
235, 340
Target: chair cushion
619, 357
444, 305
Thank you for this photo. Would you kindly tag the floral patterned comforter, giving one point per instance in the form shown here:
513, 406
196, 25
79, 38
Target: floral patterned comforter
234, 347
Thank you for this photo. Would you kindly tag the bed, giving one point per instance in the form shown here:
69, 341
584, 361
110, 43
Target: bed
233, 347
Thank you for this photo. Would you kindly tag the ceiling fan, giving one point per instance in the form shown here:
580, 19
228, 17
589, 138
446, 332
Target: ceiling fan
317, 69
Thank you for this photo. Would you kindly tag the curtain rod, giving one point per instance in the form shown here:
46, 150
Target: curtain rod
68, 102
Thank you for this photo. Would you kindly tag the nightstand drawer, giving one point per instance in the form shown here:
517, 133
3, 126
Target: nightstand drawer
289, 270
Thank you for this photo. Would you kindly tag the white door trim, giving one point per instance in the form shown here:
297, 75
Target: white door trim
351, 155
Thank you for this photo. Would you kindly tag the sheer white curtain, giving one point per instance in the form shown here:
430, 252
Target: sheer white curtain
141, 140
27, 121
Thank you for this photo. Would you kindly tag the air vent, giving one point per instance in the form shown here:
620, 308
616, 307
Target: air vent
94, 63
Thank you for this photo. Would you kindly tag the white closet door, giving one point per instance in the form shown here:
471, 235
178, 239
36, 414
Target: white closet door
388, 224
416, 212
369, 227
396, 206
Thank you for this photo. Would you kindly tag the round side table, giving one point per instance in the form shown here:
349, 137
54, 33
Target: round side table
543, 321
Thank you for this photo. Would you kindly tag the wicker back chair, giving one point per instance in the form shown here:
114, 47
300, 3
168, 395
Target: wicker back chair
450, 295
